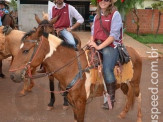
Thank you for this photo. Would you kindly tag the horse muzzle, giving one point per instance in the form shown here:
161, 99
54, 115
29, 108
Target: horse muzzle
17, 77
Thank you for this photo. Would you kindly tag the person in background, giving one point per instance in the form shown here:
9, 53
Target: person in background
50, 6
64, 25
91, 17
106, 35
3, 10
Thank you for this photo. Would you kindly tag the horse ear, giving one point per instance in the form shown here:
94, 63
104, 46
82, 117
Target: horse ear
43, 13
52, 21
37, 19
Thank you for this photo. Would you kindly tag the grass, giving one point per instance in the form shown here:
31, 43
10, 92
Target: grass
147, 38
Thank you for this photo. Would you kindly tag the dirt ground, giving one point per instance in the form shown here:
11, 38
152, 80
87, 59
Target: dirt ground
32, 107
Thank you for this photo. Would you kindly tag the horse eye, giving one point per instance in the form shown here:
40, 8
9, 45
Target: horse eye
25, 51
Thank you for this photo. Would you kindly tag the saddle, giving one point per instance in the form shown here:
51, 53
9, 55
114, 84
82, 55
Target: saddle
123, 73
7, 29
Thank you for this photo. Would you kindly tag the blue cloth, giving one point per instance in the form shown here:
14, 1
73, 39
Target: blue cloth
0, 21
5, 10
68, 37
110, 57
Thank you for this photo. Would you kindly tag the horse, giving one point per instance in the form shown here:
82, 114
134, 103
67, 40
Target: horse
7, 19
10, 45
59, 59
47, 26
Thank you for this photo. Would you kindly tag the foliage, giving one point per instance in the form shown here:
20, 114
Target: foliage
93, 2
147, 38
13, 4
157, 5
127, 5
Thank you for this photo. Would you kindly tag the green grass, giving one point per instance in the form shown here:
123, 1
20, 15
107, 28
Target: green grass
147, 38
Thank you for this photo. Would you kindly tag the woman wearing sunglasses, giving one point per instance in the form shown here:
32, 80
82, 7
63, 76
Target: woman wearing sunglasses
106, 34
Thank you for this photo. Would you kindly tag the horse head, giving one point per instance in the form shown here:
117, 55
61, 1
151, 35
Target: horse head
33, 51
45, 24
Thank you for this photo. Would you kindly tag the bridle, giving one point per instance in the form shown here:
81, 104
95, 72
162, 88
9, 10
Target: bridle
27, 66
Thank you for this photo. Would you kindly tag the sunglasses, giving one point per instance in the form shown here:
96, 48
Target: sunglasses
103, 0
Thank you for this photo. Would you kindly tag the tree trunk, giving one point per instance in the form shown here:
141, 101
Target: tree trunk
159, 19
137, 22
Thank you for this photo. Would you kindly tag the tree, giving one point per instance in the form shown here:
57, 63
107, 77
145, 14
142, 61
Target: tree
13, 5
158, 6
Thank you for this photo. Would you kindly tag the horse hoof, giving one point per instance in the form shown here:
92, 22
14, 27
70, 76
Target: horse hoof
21, 94
29, 90
122, 115
65, 107
2, 75
139, 119
49, 108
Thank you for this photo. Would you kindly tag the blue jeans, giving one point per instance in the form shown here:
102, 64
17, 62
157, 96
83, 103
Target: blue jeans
110, 57
68, 37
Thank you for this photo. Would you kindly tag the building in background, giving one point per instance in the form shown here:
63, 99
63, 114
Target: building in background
27, 9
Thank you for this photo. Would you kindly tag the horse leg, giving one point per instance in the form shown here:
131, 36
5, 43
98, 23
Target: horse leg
29, 89
1, 74
79, 110
130, 101
65, 104
139, 115
25, 87
52, 99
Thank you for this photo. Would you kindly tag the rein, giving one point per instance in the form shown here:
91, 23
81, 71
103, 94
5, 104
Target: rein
50, 73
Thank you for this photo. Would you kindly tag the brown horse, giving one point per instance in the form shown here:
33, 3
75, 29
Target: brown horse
7, 19
9, 46
60, 59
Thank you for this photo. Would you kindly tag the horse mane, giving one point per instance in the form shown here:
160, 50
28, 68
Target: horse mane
44, 22
28, 34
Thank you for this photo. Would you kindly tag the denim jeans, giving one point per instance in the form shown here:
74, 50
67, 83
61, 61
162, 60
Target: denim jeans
68, 37
110, 57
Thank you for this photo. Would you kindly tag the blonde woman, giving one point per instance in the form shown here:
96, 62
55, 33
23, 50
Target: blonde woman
106, 34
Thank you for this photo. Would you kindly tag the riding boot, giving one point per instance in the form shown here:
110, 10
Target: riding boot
111, 91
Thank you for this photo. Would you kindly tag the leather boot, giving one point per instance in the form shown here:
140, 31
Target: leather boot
111, 91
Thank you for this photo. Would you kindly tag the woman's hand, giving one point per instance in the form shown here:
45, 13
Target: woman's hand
93, 44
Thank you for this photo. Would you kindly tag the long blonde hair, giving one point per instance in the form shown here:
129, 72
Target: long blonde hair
108, 11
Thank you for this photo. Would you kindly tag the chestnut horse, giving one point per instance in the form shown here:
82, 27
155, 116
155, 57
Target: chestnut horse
9, 46
7, 19
59, 59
